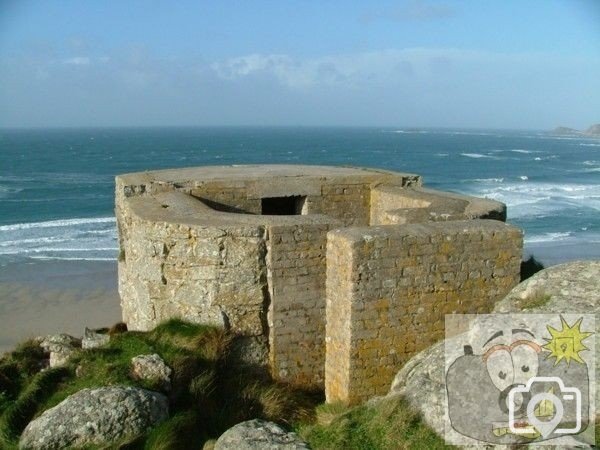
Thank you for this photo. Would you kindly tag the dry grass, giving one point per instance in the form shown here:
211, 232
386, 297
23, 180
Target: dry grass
389, 424
534, 300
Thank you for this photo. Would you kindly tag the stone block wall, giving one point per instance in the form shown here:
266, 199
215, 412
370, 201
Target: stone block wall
389, 287
343, 308
394, 204
296, 261
198, 273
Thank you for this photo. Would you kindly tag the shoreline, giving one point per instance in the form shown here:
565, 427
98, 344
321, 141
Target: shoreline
557, 252
57, 296
51, 297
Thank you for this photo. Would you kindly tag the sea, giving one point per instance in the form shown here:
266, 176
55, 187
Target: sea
57, 185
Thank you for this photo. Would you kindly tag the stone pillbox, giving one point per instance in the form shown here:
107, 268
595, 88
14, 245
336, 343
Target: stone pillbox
333, 276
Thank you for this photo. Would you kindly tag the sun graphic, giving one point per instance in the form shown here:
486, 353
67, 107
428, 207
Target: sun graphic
566, 343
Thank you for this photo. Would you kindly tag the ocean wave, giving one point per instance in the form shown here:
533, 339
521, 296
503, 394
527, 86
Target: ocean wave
71, 178
468, 133
409, 132
525, 198
6, 191
548, 237
477, 155
16, 179
56, 250
40, 240
72, 258
515, 150
583, 144
483, 180
76, 238
56, 223
521, 150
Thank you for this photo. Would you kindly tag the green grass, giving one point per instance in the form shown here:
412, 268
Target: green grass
210, 393
390, 424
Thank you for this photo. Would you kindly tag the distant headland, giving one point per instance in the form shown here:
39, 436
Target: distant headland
593, 131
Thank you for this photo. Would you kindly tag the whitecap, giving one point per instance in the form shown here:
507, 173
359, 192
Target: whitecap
535, 199
524, 177
40, 240
521, 150
548, 237
6, 191
70, 258
80, 238
56, 223
484, 180
476, 155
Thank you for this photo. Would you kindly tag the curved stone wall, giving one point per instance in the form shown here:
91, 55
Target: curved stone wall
197, 244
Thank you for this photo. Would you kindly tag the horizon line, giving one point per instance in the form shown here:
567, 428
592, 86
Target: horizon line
398, 127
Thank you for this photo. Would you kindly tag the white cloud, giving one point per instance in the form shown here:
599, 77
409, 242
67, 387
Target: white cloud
352, 70
78, 61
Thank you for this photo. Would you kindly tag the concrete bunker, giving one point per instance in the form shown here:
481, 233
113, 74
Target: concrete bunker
324, 271
292, 205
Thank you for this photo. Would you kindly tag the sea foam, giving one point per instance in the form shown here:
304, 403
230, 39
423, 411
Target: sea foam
93, 239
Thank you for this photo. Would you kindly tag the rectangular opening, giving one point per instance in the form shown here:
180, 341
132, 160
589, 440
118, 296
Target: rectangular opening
283, 206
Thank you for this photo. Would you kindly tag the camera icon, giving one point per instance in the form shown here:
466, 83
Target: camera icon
544, 405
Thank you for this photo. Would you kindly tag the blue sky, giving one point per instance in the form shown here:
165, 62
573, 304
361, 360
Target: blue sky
481, 64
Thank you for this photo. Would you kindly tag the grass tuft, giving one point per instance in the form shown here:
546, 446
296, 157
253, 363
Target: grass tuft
180, 432
18, 414
391, 423
536, 299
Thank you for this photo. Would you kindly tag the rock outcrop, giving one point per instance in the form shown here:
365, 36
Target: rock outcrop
592, 131
152, 368
259, 435
94, 339
566, 288
96, 417
570, 287
565, 131
59, 347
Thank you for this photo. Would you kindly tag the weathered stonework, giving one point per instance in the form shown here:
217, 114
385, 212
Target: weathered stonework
389, 288
270, 251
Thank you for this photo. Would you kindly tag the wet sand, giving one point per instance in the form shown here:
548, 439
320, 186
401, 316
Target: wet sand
44, 297
551, 254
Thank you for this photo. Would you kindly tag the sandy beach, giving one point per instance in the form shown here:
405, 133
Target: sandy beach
44, 297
